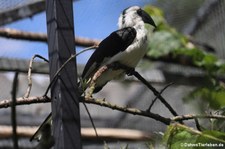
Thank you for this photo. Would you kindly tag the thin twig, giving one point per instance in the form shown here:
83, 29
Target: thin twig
92, 122
55, 77
13, 110
156, 93
133, 111
5, 103
89, 114
197, 124
131, 71
92, 85
27, 94
63, 65
160, 93
193, 116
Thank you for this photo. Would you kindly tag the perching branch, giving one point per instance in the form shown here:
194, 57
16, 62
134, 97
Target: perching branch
133, 111
16, 34
92, 85
31, 100
129, 71
156, 93
194, 116
5, 103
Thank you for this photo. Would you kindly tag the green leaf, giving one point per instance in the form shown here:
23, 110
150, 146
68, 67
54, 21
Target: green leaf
213, 96
176, 137
167, 40
211, 139
180, 136
163, 43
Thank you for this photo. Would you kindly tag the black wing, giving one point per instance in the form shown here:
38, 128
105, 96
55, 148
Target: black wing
116, 42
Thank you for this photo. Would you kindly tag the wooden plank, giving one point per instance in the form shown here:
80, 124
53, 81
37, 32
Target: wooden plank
64, 93
110, 134
42, 37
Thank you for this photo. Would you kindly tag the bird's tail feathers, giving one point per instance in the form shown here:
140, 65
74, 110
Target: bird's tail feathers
38, 134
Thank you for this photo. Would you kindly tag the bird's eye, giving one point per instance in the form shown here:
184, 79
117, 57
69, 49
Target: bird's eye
139, 12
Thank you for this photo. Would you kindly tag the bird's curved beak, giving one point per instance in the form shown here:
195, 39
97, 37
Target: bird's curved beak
147, 19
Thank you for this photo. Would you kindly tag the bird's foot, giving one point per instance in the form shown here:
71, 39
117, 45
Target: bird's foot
117, 65
130, 71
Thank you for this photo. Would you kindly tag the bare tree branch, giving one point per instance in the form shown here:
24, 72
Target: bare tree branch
27, 94
67, 61
133, 111
194, 116
5, 103
41, 37
129, 71
154, 100
31, 100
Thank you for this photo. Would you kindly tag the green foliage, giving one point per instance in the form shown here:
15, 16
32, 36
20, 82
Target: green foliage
167, 42
206, 61
179, 136
218, 124
214, 98
175, 136
212, 94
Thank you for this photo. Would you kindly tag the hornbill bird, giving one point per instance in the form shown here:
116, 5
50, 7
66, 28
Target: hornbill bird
126, 46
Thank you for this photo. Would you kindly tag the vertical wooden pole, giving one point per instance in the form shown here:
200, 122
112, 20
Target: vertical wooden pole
64, 93
13, 111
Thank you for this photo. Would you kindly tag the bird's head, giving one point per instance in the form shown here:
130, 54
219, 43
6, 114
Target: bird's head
134, 15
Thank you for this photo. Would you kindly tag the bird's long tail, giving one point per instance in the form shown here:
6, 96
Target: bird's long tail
38, 134
48, 121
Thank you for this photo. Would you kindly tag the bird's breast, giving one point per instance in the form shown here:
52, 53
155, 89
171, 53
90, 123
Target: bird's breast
134, 53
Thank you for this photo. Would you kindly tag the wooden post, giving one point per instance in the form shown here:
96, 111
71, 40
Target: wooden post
64, 93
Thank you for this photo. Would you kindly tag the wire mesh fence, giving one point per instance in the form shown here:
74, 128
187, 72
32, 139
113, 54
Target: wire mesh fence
211, 30
6, 5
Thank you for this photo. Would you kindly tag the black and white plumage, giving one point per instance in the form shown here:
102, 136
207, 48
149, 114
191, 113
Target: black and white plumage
126, 46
